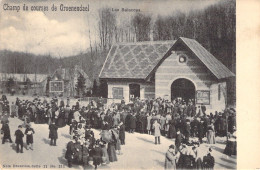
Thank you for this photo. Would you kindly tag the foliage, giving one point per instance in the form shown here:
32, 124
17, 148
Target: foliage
80, 86
102, 90
95, 88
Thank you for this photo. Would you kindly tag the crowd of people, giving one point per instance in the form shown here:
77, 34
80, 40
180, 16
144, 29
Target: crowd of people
176, 119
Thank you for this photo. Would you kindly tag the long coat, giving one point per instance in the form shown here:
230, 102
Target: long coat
149, 118
132, 122
6, 131
157, 129
122, 132
19, 136
53, 134
178, 141
170, 160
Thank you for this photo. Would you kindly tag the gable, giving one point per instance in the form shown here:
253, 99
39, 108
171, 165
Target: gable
219, 70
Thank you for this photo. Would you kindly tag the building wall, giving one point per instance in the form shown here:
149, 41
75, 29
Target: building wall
218, 96
171, 69
147, 90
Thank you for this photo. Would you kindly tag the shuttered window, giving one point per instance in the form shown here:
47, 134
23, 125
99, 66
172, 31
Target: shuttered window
118, 92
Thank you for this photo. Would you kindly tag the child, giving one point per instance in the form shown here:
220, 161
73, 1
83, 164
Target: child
29, 136
97, 154
19, 139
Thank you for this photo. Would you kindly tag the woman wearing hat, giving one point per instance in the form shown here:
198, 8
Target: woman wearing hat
111, 148
6, 132
170, 158
211, 134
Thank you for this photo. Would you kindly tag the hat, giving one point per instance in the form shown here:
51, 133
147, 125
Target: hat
171, 146
20, 126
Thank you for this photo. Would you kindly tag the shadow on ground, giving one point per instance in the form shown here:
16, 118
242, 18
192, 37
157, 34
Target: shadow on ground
145, 140
158, 152
66, 136
46, 141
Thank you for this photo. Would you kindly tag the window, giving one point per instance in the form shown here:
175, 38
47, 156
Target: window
56, 86
182, 58
117, 92
219, 92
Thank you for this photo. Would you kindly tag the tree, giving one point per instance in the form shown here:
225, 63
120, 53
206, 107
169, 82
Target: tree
95, 88
48, 86
106, 25
102, 90
80, 86
142, 27
10, 84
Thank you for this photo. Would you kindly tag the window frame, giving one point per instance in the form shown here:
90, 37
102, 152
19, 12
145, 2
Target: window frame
116, 92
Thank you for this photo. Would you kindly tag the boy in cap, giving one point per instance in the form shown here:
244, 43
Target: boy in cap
19, 139
53, 134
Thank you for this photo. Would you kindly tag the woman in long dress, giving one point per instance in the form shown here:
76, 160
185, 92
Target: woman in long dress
61, 118
172, 129
111, 149
149, 117
211, 134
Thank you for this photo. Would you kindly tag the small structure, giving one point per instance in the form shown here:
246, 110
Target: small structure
64, 81
167, 69
23, 83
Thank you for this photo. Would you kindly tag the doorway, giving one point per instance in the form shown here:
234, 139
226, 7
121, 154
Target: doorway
134, 91
183, 88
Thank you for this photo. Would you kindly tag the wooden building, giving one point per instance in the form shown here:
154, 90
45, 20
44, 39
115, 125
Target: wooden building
167, 69
64, 80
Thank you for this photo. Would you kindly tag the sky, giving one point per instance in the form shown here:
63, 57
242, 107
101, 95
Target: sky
63, 33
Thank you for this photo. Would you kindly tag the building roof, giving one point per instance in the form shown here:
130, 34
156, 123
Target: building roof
139, 60
34, 78
71, 74
134, 60
213, 64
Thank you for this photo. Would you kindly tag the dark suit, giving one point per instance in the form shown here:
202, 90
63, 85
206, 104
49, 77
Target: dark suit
122, 134
19, 140
53, 134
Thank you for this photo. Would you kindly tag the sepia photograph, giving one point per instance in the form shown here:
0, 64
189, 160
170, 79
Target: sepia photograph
118, 84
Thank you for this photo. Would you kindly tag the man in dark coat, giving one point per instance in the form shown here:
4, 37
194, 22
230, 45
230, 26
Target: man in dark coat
187, 131
208, 161
69, 153
122, 133
194, 127
62, 104
132, 123
77, 105
178, 140
6, 131
19, 139
200, 131
53, 133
